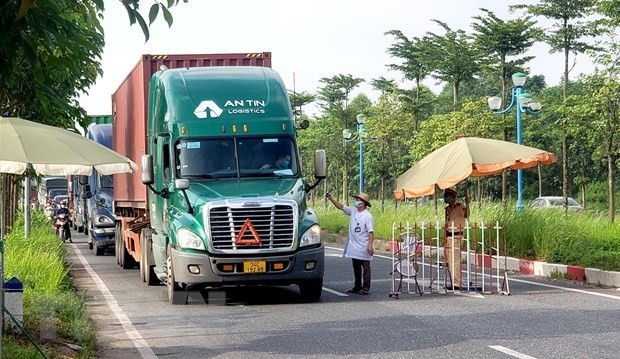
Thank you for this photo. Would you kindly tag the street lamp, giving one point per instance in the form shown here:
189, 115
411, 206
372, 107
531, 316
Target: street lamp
523, 102
361, 134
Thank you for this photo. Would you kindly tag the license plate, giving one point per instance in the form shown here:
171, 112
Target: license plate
254, 267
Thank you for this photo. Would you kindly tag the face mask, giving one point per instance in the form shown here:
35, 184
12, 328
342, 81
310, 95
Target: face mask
357, 204
285, 163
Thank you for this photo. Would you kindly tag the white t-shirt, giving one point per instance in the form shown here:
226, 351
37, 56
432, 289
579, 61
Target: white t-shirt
360, 225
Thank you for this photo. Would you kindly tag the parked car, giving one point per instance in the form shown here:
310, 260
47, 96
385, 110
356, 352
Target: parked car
556, 202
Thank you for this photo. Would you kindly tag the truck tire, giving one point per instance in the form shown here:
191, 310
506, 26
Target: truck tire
99, 251
176, 294
127, 259
89, 234
142, 265
86, 228
311, 290
117, 244
148, 269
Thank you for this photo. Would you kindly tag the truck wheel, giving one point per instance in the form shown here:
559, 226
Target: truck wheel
86, 228
89, 233
117, 242
311, 290
127, 259
142, 263
99, 251
90, 245
176, 295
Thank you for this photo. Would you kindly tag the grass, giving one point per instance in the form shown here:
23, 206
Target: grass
586, 239
50, 302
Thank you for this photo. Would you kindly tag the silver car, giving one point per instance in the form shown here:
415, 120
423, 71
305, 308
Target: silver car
556, 202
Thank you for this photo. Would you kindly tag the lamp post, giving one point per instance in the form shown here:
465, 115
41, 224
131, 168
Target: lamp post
360, 134
522, 101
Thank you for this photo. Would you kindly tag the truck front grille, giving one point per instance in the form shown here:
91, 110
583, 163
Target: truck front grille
274, 227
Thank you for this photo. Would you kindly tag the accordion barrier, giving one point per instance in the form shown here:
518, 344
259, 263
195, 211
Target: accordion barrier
431, 259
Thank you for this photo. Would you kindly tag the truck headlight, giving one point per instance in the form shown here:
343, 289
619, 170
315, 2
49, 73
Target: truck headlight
101, 219
311, 236
189, 239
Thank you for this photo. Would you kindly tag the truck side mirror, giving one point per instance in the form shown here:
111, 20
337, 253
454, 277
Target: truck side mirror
320, 164
181, 184
147, 169
83, 180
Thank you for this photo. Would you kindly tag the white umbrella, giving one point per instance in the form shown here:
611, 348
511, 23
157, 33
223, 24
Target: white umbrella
50, 151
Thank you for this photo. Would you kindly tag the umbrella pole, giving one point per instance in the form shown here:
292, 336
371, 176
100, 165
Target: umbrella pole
26, 207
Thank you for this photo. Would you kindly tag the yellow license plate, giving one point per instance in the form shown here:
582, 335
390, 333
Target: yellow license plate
254, 267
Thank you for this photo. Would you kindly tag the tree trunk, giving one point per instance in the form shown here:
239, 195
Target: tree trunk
610, 185
382, 191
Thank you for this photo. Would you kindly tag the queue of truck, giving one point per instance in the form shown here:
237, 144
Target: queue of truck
209, 208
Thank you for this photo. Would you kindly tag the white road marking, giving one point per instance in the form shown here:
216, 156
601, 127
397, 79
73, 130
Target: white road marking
335, 292
566, 289
523, 281
130, 330
510, 352
332, 255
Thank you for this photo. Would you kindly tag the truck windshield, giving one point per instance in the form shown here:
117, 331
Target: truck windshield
236, 157
106, 182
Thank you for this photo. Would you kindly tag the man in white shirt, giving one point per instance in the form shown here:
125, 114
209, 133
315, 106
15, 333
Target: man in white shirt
360, 239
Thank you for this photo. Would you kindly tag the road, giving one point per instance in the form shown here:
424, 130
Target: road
539, 319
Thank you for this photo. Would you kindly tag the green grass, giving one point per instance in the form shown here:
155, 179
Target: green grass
585, 239
39, 261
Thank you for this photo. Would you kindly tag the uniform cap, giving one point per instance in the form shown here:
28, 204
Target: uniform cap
449, 191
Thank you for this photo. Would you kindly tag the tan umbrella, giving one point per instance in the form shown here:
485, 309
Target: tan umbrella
54, 151
465, 157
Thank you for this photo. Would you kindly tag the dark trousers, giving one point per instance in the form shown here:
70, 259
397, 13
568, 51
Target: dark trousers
359, 266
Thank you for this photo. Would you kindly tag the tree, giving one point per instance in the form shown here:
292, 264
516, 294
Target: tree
334, 100
452, 57
599, 109
499, 40
412, 66
566, 35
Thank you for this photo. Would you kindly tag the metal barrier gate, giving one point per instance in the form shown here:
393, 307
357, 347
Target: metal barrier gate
419, 264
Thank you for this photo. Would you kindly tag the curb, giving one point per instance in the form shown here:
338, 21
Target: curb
544, 269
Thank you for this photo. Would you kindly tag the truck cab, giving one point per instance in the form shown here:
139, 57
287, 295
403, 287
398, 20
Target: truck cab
227, 204
95, 210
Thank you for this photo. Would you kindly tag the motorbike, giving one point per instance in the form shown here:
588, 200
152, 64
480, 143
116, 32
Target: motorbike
62, 226
49, 211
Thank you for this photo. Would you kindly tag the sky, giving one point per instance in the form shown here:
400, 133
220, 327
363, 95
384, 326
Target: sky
308, 40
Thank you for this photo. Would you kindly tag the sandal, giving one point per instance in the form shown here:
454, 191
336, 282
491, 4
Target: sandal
363, 292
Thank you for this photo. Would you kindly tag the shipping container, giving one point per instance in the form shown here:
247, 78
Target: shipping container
130, 111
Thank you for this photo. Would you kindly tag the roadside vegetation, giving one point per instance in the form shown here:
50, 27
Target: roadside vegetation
586, 239
54, 314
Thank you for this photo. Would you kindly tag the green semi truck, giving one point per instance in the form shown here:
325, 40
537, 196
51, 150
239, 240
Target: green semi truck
226, 201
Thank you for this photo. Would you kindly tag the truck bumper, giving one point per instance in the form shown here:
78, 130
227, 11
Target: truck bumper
103, 237
207, 270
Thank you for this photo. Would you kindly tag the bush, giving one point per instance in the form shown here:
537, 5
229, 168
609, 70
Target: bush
39, 262
585, 239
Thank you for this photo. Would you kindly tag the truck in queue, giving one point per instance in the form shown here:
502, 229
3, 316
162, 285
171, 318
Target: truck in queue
93, 208
220, 199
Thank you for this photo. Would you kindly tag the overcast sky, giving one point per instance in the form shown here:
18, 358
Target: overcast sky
310, 39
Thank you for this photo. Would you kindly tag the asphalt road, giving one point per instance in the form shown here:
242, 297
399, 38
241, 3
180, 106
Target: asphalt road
539, 319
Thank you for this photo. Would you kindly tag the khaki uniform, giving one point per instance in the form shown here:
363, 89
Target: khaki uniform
456, 214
